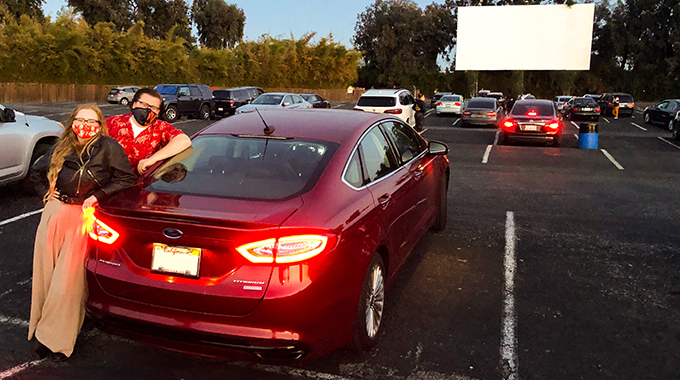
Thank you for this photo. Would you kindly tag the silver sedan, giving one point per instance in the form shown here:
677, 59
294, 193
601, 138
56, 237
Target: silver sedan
450, 104
275, 100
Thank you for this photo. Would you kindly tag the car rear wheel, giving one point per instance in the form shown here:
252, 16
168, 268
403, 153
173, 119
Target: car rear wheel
205, 112
442, 207
371, 306
676, 133
124, 102
28, 186
646, 117
171, 114
669, 126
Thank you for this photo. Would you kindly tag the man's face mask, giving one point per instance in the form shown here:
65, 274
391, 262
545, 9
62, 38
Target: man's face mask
144, 116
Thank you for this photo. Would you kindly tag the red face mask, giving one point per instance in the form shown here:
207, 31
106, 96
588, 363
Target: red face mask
85, 131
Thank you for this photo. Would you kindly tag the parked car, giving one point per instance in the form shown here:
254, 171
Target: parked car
227, 100
483, 93
450, 104
316, 100
581, 109
268, 245
662, 113
595, 97
560, 100
436, 97
275, 100
675, 133
122, 95
481, 111
23, 140
394, 102
186, 99
533, 120
626, 104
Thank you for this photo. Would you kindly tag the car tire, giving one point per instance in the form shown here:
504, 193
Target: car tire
204, 113
676, 133
669, 125
171, 114
645, 116
26, 185
442, 207
124, 102
371, 306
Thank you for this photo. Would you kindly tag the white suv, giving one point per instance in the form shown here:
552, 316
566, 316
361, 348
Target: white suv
395, 102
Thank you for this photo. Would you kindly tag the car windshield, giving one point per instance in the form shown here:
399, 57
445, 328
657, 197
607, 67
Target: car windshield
245, 168
377, 101
222, 94
269, 99
450, 99
563, 98
585, 102
167, 90
481, 103
541, 109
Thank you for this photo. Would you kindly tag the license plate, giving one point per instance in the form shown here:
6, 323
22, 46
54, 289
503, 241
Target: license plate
477, 115
448, 105
183, 261
586, 109
530, 128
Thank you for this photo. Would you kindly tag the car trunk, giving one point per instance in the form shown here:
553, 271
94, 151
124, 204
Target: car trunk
140, 265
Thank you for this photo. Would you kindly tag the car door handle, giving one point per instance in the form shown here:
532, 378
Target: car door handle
418, 173
384, 200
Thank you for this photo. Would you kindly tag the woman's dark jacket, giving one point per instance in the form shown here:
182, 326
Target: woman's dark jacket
101, 170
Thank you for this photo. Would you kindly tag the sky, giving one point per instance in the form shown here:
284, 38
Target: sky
281, 18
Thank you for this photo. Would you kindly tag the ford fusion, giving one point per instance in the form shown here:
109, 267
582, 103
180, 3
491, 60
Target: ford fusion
274, 237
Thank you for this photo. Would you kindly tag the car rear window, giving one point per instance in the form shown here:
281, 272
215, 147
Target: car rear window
114, 91
625, 98
166, 90
585, 101
450, 98
245, 168
377, 101
268, 99
222, 94
542, 109
481, 103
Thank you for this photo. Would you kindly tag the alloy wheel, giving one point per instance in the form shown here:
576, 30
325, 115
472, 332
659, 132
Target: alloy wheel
375, 301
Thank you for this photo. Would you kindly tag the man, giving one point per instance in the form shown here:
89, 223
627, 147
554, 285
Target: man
144, 137
615, 104
419, 107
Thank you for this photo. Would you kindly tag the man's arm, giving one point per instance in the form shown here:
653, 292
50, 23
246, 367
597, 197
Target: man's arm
174, 146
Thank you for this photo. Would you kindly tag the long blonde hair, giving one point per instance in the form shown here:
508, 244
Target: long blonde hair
69, 143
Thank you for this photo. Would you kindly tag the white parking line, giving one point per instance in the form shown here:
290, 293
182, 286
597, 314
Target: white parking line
509, 364
455, 122
13, 321
605, 119
575, 125
668, 142
15, 370
427, 113
611, 158
26, 215
20, 283
495, 139
643, 128
485, 159
575, 135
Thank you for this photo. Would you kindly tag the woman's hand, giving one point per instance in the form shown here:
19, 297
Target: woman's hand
91, 201
54, 196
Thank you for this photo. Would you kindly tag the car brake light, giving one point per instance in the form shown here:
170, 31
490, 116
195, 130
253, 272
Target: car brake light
99, 231
509, 124
597, 109
440, 104
456, 104
491, 114
288, 249
632, 105
576, 109
231, 102
553, 124
466, 112
395, 111
532, 113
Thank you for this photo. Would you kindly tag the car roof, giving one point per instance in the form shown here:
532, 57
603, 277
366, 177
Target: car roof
278, 93
534, 101
383, 92
312, 124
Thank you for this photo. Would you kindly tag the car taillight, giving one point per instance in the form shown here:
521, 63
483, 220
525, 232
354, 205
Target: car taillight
456, 104
231, 102
99, 231
395, 111
466, 112
491, 114
440, 104
576, 109
532, 113
553, 124
597, 109
632, 105
509, 124
288, 249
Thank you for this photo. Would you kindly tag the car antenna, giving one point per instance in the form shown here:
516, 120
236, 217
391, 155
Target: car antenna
268, 129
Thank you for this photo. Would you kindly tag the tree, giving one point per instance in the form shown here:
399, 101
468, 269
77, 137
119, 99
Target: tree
219, 24
118, 12
161, 16
16, 8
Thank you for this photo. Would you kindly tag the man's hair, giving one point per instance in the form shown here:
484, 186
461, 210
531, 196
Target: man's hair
149, 91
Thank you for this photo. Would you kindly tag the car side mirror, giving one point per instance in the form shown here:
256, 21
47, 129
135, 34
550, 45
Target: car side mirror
8, 116
438, 148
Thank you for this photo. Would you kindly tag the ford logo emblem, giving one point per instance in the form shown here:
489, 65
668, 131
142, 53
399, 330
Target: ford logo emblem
172, 233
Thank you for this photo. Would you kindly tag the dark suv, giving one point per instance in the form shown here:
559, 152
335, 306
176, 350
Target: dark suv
226, 101
626, 104
186, 99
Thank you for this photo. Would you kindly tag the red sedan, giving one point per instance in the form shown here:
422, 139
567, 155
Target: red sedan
267, 241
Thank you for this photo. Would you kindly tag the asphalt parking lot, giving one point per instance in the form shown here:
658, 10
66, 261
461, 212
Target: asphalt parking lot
556, 263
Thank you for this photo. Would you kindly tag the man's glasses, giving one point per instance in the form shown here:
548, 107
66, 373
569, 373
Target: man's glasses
147, 105
80, 120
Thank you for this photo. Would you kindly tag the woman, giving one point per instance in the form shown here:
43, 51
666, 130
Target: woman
84, 168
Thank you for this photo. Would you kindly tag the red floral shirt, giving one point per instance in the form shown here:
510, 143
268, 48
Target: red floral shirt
149, 141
